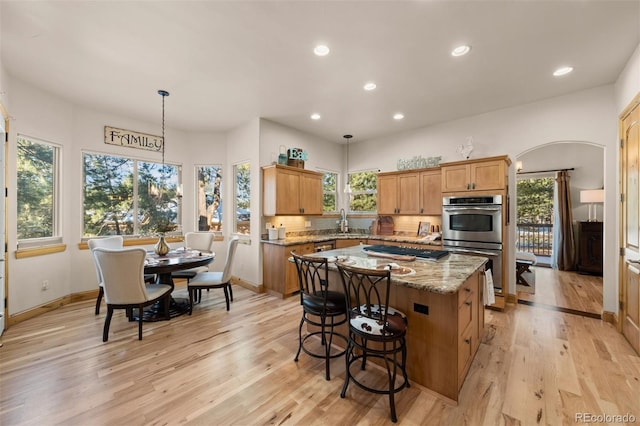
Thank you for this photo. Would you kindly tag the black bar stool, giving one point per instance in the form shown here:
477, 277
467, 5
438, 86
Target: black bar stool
321, 308
376, 330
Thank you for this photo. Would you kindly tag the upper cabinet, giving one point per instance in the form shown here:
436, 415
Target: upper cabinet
411, 192
291, 191
475, 175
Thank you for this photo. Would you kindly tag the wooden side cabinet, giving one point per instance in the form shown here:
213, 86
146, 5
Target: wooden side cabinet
279, 276
590, 251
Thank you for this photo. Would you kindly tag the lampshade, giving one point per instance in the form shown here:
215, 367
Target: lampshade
592, 196
518, 165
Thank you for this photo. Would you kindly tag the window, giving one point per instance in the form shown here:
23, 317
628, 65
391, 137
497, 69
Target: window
242, 184
209, 198
124, 196
363, 198
37, 187
330, 192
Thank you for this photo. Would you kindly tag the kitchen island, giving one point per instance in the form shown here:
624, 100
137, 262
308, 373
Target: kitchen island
443, 301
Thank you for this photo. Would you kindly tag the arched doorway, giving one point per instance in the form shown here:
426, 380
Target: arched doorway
548, 287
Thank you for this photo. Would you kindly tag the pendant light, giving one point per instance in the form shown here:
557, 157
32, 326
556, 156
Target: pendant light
347, 186
154, 191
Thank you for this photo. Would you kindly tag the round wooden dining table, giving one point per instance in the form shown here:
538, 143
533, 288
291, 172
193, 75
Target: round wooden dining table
162, 267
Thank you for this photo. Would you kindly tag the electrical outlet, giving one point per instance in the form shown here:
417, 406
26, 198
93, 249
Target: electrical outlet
307, 224
45, 285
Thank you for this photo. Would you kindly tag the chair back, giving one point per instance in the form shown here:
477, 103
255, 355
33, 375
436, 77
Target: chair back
367, 295
123, 274
313, 275
199, 240
114, 242
231, 252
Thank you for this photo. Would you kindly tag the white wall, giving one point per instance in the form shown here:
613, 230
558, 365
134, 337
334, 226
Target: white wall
628, 83
242, 146
587, 116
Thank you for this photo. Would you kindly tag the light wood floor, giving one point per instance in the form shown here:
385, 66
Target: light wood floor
534, 367
566, 290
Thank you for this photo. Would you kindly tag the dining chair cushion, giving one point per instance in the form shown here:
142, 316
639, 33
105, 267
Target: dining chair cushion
371, 324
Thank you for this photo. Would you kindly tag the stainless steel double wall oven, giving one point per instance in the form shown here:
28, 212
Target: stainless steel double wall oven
473, 225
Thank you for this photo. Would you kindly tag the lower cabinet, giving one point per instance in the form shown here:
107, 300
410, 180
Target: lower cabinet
590, 251
280, 276
344, 243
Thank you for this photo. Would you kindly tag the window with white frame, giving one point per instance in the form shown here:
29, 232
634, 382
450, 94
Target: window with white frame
209, 198
125, 196
364, 192
330, 192
242, 185
38, 164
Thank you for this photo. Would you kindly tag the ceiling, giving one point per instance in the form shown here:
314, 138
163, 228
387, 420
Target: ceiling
226, 63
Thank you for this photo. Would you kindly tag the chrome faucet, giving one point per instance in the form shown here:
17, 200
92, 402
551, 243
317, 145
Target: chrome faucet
344, 225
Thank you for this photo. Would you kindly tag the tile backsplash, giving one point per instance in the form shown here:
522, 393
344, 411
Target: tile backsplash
295, 225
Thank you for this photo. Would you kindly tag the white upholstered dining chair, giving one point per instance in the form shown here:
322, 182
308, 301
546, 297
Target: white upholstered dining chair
124, 286
208, 280
195, 241
114, 242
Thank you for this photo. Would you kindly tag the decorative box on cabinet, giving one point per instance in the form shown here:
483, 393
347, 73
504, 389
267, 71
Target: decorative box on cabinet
475, 175
590, 248
291, 191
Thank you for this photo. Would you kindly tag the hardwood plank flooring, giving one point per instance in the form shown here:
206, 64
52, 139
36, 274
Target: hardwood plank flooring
566, 289
533, 367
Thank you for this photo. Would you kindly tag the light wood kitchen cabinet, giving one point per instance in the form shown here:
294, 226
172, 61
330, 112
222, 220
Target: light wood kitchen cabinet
279, 276
349, 242
431, 192
414, 192
291, 191
475, 175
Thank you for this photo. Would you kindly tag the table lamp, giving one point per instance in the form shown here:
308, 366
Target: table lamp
592, 196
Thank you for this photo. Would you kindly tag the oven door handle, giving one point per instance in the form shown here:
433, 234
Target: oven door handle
480, 252
457, 209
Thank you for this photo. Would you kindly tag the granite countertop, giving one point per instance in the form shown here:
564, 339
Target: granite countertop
444, 276
289, 241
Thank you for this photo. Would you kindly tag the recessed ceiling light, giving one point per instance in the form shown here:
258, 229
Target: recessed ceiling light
461, 50
562, 71
315, 116
398, 116
321, 50
370, 86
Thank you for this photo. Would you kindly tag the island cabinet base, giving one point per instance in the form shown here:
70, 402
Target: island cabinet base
443, 334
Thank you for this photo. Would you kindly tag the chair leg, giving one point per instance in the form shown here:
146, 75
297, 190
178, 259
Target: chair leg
140, 323
192, 294
230, 291
347, 375
107, 322
167, 306
99, 300
226, 296
299, 338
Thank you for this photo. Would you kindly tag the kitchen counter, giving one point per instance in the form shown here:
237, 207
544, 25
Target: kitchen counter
443, 301
444, 276
289, 241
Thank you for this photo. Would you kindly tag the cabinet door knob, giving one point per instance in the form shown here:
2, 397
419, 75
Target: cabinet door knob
467, 341
467, 186
467, 303
473, 185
